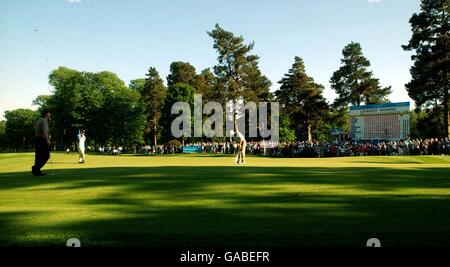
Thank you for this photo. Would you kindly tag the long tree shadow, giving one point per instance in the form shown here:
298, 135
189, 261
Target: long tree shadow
234, 206
187, 178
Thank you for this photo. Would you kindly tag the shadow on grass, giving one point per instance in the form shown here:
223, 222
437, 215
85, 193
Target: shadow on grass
237, 206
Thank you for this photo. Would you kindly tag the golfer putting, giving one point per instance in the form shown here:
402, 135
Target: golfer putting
81, 140
241, 147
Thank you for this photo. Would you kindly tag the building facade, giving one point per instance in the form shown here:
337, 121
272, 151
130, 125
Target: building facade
389, 121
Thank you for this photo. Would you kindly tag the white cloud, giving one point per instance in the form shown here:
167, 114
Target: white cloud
374, 1
74, 1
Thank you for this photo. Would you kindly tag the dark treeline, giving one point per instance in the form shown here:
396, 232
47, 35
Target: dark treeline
114, 113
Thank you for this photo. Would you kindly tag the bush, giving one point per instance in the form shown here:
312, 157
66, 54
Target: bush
173, 144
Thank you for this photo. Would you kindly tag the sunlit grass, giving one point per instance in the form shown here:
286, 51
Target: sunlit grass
200, 200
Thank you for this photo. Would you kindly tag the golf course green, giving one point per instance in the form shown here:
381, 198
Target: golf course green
206, 201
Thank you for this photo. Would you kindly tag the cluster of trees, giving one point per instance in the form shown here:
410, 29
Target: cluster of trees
303, 102
17, 131
115, 113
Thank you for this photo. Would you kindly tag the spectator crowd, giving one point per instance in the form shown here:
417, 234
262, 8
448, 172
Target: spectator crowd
432, 146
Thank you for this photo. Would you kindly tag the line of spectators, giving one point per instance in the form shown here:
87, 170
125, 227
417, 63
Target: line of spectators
432, 146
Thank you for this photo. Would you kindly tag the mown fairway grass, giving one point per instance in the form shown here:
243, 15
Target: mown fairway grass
203, 201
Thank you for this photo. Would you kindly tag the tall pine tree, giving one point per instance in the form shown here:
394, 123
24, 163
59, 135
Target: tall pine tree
181, 72
205, 84
301, 98
153, 96
430, 41
237, 70
353, 83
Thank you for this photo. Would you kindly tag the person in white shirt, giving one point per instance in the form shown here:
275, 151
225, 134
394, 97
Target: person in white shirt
242, 146
81, 140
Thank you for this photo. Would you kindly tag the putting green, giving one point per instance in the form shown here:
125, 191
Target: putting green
200, 200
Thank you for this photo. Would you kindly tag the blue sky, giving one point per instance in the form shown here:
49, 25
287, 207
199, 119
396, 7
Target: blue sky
127, 37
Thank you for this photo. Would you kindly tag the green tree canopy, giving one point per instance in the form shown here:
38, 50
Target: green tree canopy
181, 72
19, 128
100, 103
236, 66
205, 84
179, 92
3, 139
353, 83
237, 70
42, 101
137, 84
153, 97
430, 41
425, 122
287, 134
301, 99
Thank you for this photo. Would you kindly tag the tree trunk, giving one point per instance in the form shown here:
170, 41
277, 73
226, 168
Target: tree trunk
446, 94
236, 130
308, 126
446, 117
154, 135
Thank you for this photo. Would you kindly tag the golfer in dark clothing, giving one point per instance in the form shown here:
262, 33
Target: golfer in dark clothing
42, 143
